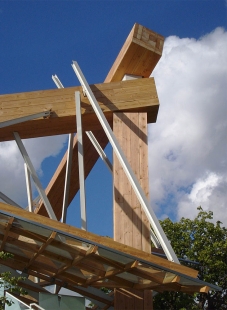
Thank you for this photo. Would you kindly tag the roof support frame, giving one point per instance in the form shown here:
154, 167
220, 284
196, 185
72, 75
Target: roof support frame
126, 167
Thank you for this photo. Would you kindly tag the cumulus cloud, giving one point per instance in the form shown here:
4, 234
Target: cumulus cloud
188, 144
12, 181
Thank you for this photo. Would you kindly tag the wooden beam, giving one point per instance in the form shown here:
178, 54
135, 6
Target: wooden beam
139, 54
134, 95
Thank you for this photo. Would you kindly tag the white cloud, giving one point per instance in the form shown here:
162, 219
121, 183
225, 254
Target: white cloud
12, 181
188, 144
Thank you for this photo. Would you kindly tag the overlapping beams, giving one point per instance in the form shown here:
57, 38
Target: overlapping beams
139, 55
88, 261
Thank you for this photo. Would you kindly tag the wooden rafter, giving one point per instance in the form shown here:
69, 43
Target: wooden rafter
42, 248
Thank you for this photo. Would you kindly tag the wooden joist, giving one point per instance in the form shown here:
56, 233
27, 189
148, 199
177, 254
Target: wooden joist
135, 95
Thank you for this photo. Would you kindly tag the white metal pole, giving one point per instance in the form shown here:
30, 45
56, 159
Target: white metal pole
34, 176
67, 178
81, 161
126, 167
28, 185
24, 119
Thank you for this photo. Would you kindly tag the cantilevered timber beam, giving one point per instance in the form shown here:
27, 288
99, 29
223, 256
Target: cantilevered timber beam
135, 95
139, 55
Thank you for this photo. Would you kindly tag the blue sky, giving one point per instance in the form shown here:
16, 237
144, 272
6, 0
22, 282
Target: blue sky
41, 38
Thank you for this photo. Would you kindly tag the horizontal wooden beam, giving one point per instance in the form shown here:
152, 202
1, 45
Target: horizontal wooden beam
134, 95
139, 54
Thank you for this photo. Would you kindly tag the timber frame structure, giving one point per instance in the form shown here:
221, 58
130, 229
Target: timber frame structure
43, 248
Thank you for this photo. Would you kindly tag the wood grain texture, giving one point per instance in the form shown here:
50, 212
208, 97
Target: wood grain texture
135, 230
131, 226
134, 95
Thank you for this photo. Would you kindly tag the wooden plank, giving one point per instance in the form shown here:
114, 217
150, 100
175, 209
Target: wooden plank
134, 95
139, 54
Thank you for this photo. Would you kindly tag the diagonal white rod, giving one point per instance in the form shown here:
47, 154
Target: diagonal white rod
127, 169
35, 178
65, 204
81, 162
154, 239
57, 82
67, 178
100, 151
8, 200
28, 185
24, 119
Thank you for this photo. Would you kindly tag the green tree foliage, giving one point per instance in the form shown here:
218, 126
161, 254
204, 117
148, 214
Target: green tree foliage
9, 283
204, 242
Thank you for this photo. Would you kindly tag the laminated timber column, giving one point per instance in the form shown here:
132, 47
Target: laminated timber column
131, 226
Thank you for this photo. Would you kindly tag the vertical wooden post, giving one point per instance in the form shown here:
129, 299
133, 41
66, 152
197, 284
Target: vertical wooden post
131, 226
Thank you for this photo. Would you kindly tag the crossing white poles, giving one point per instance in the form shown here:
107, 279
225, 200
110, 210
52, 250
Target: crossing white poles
65, 203
34, 176
126, 167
